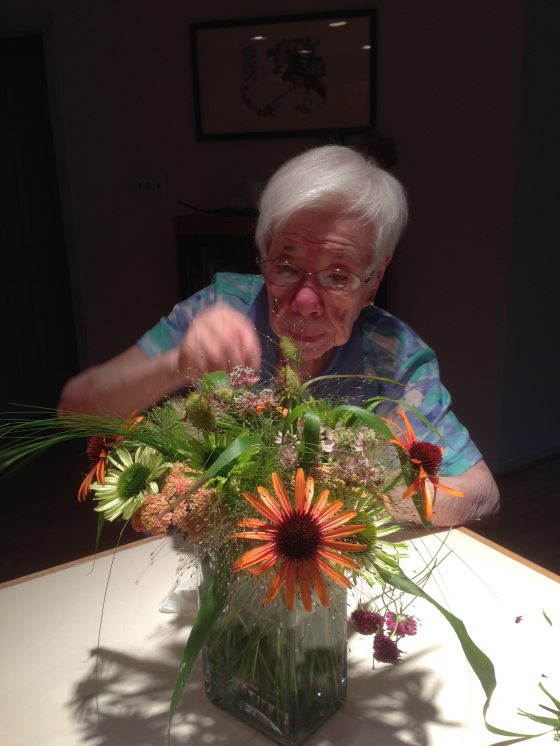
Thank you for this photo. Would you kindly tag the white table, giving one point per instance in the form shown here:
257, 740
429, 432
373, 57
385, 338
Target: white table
49, 626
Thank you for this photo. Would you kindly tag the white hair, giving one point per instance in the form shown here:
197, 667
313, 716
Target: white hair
338, 178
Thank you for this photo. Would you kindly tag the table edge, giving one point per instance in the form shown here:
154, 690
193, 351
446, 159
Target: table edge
79, 561
509, 553
130, 545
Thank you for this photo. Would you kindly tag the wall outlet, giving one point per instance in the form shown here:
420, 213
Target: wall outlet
148, 183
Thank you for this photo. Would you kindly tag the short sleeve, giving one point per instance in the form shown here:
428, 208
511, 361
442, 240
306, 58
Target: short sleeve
424, 390
394, 351
237, 290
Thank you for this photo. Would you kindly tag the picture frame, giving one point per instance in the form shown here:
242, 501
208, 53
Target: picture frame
289, 75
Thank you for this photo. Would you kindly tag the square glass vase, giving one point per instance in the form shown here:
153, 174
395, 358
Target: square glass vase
281, 672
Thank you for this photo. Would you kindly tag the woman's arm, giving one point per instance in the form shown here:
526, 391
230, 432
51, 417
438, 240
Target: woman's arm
129, 382
481, 501
218, 339
480, 504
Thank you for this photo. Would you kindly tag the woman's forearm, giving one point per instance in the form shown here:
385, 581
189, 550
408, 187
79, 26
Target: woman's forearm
128, 383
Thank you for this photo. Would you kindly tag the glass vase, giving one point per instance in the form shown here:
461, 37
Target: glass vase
282, 672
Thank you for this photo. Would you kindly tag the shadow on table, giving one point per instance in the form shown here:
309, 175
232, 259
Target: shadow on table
125, 700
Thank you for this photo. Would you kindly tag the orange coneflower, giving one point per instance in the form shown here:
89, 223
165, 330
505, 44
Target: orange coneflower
98, 453
303, 538
98, 449
426, 457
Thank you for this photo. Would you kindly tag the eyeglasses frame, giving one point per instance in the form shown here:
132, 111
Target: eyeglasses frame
305, 274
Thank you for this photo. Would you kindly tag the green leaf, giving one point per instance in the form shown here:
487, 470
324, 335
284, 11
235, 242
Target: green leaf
555, 702
212, 381
100, 524
294, 413
379, 399
546, 617
238, 447
554, 722
209, 611
309, 446
365, 416
479, 661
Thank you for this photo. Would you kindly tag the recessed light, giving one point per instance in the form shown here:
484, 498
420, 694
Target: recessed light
337, 24
258, 38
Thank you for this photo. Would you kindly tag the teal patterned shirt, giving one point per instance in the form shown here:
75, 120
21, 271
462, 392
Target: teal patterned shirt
380, 345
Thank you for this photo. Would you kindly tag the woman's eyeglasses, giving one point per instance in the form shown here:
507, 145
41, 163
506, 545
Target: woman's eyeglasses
335, 281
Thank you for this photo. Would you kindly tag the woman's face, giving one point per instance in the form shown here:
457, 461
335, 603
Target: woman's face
313, 318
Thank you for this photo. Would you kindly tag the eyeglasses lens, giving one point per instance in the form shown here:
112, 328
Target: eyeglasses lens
334, 281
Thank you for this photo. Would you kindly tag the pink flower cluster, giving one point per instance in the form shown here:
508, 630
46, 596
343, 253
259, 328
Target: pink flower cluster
385, 648
190, 516
241, 376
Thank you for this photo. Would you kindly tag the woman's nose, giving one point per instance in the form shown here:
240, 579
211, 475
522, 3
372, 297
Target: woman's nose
306, 300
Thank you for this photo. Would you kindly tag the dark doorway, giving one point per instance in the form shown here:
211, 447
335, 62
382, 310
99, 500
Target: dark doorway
39, 341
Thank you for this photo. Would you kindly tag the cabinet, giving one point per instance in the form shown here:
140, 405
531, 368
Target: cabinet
213, 243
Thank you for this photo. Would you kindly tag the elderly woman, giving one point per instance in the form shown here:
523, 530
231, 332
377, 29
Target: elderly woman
328, 225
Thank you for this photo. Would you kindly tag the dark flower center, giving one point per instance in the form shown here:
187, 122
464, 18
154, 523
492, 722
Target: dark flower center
428, 454
133, 480
298, 536
95, 447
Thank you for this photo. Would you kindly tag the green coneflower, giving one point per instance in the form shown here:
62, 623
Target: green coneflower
131, 477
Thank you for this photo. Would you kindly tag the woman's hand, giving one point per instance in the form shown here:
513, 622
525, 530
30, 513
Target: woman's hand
218, 339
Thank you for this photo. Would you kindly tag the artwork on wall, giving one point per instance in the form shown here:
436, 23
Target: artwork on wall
284, 75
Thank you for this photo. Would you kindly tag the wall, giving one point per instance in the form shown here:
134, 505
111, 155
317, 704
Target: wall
449, 94
532, 341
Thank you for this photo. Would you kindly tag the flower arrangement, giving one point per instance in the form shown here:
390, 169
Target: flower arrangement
287, 502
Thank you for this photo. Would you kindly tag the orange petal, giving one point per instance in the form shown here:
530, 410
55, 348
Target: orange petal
281, 493
263, 566
300, 490
305, 586
318, 583
309, 490
253, 557
334, 574
339, 520
100, 468
399, 440
411, 437
338, 559
425, 486
290, 589
257, 536
270, 503
330, 510
276, 585
413, 489
320, 503
85, 485
252, 523
450, 490
344, 546
261, 507
353, 528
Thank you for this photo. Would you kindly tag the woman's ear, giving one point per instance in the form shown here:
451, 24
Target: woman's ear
376, 281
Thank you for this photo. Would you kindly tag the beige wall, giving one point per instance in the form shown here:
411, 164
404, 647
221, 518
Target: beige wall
449, 94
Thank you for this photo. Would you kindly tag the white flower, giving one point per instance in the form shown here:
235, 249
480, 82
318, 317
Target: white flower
131, 478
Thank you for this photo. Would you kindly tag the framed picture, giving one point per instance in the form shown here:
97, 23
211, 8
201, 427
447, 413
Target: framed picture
287, 75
